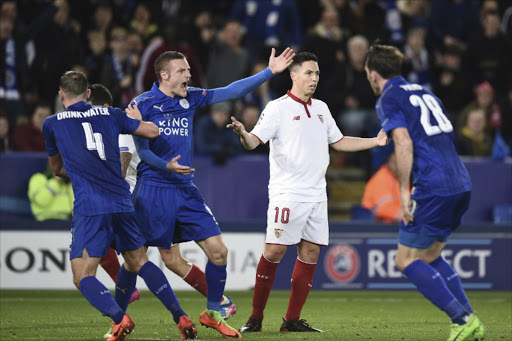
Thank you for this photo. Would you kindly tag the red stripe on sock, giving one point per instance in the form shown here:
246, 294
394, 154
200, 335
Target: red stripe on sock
110, 263
197, 280
302, 281
265, 275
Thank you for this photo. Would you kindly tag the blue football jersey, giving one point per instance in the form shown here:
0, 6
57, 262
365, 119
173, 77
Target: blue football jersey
174, 118
437, 168
87, 139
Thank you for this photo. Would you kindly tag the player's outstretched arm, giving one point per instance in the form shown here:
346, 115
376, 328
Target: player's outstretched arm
146, 129
244, 86
404, 157
356, 144
57, 166
249, 141
280, 63
146, 155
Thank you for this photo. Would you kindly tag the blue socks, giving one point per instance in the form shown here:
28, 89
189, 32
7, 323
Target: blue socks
100, 298
430, 283
125, 285
216, 279
158, 284
452, 280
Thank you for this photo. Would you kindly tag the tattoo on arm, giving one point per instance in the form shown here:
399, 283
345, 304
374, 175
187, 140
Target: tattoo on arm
125, 162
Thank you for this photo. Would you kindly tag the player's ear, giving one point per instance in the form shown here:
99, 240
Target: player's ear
61, 95
88, 94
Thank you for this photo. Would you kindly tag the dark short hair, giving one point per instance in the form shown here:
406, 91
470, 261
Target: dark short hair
385, 59
100, 95
164, 58
302, 57
73, 83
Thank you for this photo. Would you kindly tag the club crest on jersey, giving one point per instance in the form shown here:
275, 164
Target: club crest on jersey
184, 103
321, 118
278, 232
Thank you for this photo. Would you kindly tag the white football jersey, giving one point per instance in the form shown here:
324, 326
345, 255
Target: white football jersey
300, 134
126, 145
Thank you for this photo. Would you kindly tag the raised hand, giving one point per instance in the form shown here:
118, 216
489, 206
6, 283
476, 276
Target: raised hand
133, 112
175, 167
237, 126
382, 138
279, 64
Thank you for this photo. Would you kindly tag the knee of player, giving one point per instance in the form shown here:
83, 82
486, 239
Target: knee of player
400, 262
219, 256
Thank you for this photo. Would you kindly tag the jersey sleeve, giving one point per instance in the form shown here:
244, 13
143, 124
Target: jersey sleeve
126, 144
333, 131
126, 124
268, 123
49, 138
198, 97
390, 114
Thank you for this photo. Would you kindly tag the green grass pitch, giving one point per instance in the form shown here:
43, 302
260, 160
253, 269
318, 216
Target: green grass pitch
343, 315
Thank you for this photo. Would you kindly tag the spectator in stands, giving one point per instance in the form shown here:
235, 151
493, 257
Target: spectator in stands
96, 54
350, 93
382, 195
325, 40
474, 139
268, 23
489, 55
13, 69
417, 59
142, 21
50, 197
347, 18
371, 20
102, 18
118, 71
249, 117
167, 41
484, 99
53, 59
414, 13
6, 143
28, 137
261, 95
229, 61
212, 137
453, 22
452, 84
200, 34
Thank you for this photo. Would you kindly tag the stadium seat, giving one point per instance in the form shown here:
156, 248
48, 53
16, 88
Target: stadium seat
502, 213
360, 213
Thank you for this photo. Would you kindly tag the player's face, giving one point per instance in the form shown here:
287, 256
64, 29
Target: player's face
176, 77
372, 79
306, 77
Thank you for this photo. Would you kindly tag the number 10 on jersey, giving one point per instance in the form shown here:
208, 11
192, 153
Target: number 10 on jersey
285, 215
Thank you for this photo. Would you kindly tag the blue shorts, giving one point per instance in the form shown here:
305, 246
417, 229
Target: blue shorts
99, 232
168, 215
435, 218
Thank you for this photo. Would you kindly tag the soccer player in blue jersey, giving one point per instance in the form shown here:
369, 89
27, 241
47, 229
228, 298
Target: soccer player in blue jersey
82, 145
424, 146
168, 205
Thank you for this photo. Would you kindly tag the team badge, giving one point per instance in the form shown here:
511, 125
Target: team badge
321, 118
278, 232
342, 263
184, 103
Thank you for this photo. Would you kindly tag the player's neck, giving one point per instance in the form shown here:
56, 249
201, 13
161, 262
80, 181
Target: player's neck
166, 91
300, 95
69, 102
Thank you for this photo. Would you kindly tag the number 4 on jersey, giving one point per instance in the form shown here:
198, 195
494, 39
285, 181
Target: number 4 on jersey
94, 140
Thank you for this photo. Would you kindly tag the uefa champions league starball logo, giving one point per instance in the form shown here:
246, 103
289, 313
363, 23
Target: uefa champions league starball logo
342, 263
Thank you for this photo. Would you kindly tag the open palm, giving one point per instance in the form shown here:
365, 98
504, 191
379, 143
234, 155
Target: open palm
280, 63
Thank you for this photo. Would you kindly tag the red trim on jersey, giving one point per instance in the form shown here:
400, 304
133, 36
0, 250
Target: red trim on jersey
338, 140
296, 99
261, 142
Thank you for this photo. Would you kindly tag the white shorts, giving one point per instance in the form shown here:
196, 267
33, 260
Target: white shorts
288, 222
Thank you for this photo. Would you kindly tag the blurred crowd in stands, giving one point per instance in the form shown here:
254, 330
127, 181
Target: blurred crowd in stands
461, 49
